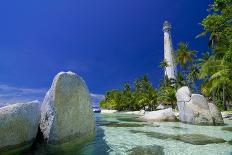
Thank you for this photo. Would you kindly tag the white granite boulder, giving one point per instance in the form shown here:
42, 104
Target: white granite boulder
216, 114
66, 110
142, 112
18, 124
160, 115
195, 109
183, 94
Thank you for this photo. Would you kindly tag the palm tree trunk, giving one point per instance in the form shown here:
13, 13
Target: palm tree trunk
224, 97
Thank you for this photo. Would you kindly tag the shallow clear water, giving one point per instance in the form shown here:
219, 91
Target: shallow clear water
119, 134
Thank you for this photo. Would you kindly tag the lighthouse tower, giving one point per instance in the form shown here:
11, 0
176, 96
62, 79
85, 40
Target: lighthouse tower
170, 70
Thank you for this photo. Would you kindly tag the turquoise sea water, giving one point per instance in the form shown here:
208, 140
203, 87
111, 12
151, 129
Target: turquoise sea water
124, 134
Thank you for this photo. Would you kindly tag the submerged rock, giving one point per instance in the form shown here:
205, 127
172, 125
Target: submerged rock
66, 110
152, 134
195, 109
18, 124
124, 125
160, 115
230, 142
199, 139
105, 123
147, 150
195, 139
178, 127
129, 119
227, 128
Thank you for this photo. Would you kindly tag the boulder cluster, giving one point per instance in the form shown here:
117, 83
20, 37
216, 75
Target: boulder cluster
193, 109
64, 115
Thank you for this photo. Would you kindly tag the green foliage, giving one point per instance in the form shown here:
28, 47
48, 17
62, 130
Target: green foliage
180, 80
216, 70
164, 64
188, 71
167, 95
112, 99
184, 55
143, 95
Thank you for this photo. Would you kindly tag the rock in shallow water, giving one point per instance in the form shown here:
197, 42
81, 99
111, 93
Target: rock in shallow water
199, 139
147, 150
66, 110
195, 109
227, 128
118, 125
18, 124
105, 123
160, 115
129, 119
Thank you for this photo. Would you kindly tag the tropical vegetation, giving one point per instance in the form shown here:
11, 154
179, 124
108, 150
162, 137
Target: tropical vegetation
216, 67
209, 74
142, 95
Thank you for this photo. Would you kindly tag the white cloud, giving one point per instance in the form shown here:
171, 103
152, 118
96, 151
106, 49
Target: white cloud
10, 94
96, 98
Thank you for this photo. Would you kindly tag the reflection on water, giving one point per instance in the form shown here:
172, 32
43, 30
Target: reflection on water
126, 134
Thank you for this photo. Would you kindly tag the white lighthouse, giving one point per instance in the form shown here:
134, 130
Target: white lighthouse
170, 70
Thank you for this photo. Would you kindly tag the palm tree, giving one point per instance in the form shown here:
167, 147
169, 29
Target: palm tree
184, 54
144, 94
127, 96
179, 81
193, 75
205, 57
166, 82
167, 95
217, 78
163, 65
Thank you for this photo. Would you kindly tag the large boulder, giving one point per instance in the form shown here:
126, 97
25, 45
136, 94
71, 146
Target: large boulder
183, 94
160, 115
195, 109
216, 114
66, 110
18, 124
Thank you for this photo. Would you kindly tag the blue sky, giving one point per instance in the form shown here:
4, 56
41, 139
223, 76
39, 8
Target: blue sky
107, 42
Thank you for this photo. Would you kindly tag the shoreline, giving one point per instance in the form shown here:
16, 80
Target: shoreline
106, 111
225, 114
